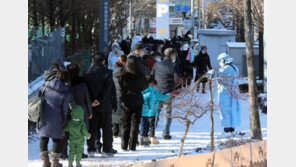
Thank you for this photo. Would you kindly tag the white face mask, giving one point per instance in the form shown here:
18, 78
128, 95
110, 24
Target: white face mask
221, 64
204, 52
157, 59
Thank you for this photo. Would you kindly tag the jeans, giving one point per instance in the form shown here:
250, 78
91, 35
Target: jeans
56, 145
167, 107
147, 125
130, 128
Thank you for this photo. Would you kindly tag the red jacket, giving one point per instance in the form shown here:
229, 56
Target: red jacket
151, 63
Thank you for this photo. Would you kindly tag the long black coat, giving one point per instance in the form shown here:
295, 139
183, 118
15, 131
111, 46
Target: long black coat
116, 117
101, 87
166, 74
80, 96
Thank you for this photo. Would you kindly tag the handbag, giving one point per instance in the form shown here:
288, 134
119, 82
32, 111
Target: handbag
35, 106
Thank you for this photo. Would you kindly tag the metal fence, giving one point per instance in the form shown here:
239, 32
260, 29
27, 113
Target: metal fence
43, 50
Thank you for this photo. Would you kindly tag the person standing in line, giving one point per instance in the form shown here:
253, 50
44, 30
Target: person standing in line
117, 114
103, 96
202, 63
79, 96
167, 75
77, 131
132, 82
150, 112
55, 110
114, 55
139, 52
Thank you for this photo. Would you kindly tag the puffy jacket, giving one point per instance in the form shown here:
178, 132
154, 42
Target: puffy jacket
166, 74
55, 108
76, 126
151, 100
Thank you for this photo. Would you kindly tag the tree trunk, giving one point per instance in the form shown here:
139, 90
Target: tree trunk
35, 17
61, 13
255, 128
212, 118
51, 15
261, 55
183, 138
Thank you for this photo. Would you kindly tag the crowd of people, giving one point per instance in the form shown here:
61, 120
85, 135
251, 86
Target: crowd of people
121, 95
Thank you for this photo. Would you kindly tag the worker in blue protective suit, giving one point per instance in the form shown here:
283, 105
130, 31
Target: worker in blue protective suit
228, 93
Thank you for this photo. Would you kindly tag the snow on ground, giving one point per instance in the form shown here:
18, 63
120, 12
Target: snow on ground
198, 136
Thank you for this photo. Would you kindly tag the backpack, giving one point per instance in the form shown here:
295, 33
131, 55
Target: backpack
35, 106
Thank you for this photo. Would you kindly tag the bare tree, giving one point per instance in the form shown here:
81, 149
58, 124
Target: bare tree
188, 108
255, 128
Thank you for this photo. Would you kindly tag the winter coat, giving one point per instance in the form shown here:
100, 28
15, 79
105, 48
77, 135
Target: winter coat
202, 63
143, 64
113, 56
116, 117
76, 126
101, 87
80, 96
133, 84
166, 74
55, 108
228, 93
151, 100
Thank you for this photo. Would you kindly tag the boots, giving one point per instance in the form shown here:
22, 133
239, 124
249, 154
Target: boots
143, 141
55, 157
153, 140
45, 159
146, 140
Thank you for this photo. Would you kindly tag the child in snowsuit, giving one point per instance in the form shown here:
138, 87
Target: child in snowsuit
150, 112
77, 131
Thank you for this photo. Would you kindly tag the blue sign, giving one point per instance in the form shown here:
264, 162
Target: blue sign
182, 8
173, 15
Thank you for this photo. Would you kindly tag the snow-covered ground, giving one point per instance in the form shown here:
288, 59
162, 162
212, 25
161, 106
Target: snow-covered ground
198, 136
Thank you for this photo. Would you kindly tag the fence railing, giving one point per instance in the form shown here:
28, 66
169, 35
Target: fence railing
41, 52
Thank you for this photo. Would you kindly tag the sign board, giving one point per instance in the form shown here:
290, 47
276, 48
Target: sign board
183, 6
152, 25
162, 19
176, 21
104, 26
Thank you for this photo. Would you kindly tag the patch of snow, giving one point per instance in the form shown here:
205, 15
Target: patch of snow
198, 137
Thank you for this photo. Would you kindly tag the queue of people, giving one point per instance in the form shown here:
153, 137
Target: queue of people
121, 95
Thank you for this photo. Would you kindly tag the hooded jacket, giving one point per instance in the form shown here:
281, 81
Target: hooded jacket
76, 126
114, 55
55, 108
137, 39
151, 100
